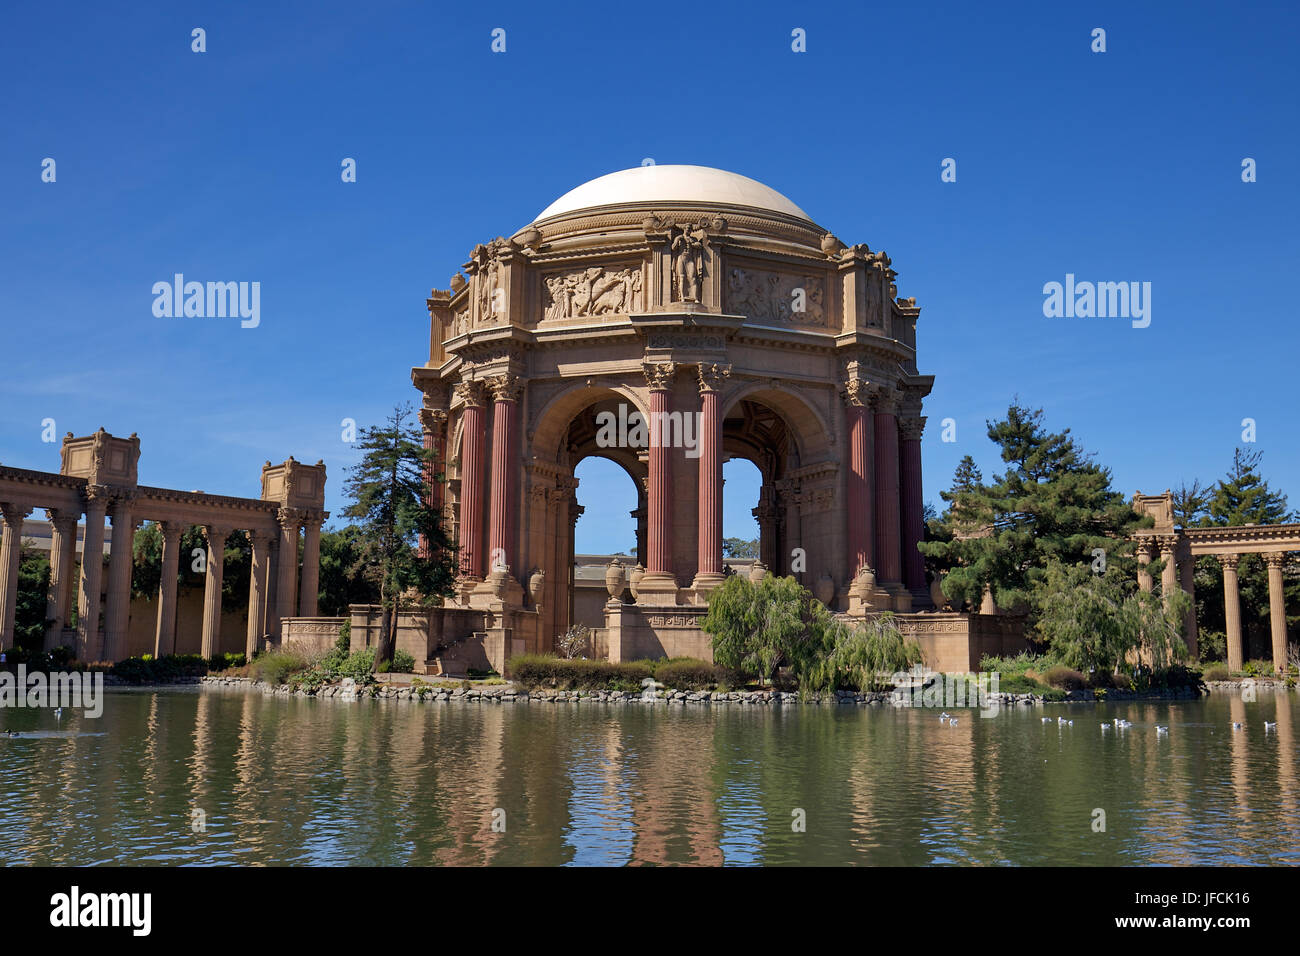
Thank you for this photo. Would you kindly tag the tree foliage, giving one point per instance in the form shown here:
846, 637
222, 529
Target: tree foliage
1053, 503
1093, 620
386, 488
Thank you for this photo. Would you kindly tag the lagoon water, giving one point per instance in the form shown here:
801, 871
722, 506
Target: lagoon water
291, 781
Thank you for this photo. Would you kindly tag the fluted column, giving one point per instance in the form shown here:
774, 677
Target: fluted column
858, 498
1144, 558
1277, 609
11, 520
504, 500
117, 608
260, 542
659, 579
92, 571
709, 493
889, 548
309, 587
164, 635
434, 423
912, 504
472, 442
212, 589
1232, 610
286, 578
1187, 577
63, 558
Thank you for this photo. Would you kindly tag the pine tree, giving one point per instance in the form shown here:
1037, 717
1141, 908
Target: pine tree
387, 490
1244, 497
1053, 503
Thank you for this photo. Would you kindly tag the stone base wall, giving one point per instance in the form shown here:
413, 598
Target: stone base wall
637, 631
954, 642
314, 635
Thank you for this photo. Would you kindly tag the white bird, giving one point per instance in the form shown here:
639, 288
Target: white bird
952, 722
1270, 725
1236, 725
1105, 727
1069, 723
1047, 720
1161, 730
945, 715
58, 713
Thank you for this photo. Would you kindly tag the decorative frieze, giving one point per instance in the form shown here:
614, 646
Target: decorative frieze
775, 298
593, 291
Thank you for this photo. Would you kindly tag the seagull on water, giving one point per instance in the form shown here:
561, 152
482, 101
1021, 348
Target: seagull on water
1270, 725
1047, 720
952, 722
1161, 730
58, 713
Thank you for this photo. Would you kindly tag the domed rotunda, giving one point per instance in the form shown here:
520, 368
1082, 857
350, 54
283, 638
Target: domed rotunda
669, 318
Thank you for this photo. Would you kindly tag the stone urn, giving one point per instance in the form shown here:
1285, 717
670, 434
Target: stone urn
615, 579
498, 578
536, 586
824, 589
757, 572
634, 578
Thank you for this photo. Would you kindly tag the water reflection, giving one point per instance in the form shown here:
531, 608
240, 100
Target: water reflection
212, 776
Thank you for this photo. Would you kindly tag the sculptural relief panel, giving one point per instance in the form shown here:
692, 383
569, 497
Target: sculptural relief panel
776, 298
595, 290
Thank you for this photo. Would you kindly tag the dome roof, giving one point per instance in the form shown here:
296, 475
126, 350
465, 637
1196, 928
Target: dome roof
672, 184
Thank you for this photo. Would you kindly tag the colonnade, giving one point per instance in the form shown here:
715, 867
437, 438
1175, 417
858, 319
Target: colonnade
98, 482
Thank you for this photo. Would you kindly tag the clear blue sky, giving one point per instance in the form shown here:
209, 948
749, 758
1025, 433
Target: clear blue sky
1122, 166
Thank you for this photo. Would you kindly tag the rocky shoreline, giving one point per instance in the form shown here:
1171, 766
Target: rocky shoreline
509, 693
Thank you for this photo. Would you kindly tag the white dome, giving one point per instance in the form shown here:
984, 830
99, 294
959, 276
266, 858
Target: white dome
670, 184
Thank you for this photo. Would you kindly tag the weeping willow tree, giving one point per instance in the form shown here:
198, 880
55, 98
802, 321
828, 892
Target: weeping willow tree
758, 628
1098, 620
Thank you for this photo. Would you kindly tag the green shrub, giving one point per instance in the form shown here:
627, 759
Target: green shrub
687, 673
1063, 678
275, 667
402, 663
1258, 668
547, 670
161, 670
1053, 695
1217, 672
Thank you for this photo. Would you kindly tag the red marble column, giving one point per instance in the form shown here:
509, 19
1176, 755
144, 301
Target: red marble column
888, 544
434, 421
505, 471
472, 447
858, 497
912, 504
659, 549
709, 561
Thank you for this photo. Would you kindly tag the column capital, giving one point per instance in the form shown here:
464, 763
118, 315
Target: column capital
505, 388
659, 375
172, 529
433, 419
884, 401
1168, 544
1228, 561
712, 376
216, 532
260, 537
910, 429
289, 518
470, 392
14, 512
62, 518
98, 497
857, 392
1274, 559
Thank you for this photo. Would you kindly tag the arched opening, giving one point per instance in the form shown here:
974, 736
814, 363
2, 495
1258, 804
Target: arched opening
611, 523
760, 450
742, 486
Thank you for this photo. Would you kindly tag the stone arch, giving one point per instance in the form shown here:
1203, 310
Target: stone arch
555, 417
811, 430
